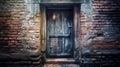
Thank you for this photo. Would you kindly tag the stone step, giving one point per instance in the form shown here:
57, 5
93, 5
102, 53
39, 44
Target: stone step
61, 65
60, 62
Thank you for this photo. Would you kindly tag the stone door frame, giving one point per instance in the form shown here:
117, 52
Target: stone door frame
76, 21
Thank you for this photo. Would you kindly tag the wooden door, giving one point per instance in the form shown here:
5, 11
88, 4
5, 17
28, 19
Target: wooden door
59, 33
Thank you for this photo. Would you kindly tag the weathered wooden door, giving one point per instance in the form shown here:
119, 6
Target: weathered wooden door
59, 33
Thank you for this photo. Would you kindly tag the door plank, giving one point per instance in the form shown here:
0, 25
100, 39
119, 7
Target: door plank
59, 38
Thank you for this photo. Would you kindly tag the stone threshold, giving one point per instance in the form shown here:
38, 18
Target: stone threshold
60, 60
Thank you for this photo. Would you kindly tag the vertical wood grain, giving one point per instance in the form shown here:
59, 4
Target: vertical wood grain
59, 44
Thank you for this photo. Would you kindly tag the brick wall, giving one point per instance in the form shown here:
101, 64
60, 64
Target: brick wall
21, 37
11, 15
106, 21
19, 33
100, 36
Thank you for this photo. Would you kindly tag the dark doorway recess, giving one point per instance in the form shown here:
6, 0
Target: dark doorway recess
59, 33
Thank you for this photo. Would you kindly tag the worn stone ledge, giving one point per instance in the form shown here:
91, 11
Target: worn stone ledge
19, 56
13, 56
60, 60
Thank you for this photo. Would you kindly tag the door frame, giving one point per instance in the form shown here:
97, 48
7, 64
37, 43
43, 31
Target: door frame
76, 22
